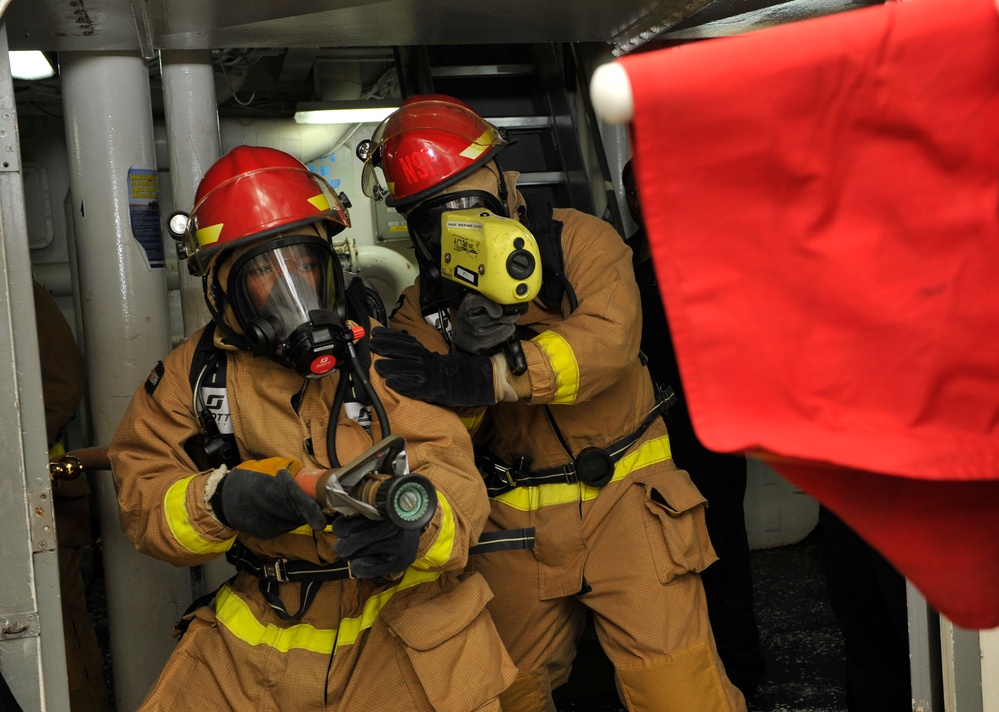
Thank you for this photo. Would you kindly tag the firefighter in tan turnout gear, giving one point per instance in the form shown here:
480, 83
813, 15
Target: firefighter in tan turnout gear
340, 612
574, 447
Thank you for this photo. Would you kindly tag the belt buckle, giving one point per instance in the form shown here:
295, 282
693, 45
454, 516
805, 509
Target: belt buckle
276, 570
507, 473
594, 467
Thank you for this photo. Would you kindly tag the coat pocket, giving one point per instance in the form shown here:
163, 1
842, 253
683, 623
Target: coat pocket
452, 644
677, 533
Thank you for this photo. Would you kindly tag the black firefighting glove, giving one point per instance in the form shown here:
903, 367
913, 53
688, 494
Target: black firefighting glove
481, 326
260, 498
374, 547
455, 380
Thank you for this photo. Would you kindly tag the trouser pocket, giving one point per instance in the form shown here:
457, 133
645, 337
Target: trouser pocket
452, 645
677, 533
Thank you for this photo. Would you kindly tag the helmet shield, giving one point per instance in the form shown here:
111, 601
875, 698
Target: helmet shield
242, 203
281, 285
424, 147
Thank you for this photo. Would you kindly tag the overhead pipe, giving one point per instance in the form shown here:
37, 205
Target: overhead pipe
306, 142
390, 271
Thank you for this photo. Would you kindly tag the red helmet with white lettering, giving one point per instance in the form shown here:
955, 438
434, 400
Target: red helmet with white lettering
253, 192
429, 143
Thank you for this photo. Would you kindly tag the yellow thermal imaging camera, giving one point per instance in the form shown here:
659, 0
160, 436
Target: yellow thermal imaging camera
495, 256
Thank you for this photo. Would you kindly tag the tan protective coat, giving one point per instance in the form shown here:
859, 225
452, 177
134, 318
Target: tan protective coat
421, 643
636, 544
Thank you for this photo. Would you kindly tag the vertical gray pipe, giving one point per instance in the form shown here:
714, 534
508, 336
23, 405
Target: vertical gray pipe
109, 135
192, 123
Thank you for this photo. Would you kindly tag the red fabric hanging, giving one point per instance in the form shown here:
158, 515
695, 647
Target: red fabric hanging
822, 201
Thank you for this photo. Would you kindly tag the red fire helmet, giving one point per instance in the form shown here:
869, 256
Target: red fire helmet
429, 143
254, 192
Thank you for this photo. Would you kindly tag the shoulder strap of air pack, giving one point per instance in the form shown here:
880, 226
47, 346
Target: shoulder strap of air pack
204, 354
548, 232
210, 447
363, 304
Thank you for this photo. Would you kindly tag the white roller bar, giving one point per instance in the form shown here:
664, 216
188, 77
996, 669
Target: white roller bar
610, 91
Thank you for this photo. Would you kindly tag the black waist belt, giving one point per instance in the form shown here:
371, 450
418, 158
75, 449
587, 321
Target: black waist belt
593, 466
284, 570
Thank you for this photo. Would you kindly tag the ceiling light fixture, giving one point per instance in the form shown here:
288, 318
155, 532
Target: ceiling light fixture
30, 64
344, 112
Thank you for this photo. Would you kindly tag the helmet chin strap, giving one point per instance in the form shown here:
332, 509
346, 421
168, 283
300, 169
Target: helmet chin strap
218, 296
502, 188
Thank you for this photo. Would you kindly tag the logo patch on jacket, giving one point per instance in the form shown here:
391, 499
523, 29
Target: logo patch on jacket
154, 377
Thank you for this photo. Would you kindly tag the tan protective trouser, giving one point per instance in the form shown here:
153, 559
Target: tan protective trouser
530, 691
691, 679
647, 600
431, 648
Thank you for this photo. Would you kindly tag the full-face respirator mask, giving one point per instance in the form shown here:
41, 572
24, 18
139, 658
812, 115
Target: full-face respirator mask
287, 296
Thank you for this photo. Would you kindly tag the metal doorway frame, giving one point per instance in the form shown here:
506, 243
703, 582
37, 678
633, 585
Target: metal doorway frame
32, 655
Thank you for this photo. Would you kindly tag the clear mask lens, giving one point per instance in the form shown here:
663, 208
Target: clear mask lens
282, 285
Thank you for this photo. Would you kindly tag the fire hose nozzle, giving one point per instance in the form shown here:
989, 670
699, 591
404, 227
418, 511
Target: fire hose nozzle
376, 484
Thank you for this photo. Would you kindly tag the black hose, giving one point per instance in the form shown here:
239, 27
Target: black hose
362, 377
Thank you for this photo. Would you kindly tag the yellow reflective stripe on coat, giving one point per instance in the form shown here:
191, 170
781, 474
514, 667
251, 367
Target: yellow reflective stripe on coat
526, 499
563, 363
472, 423
175, 509
442, 548
233, 614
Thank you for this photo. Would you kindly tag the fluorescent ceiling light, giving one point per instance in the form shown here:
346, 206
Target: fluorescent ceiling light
31, 64
343, 112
